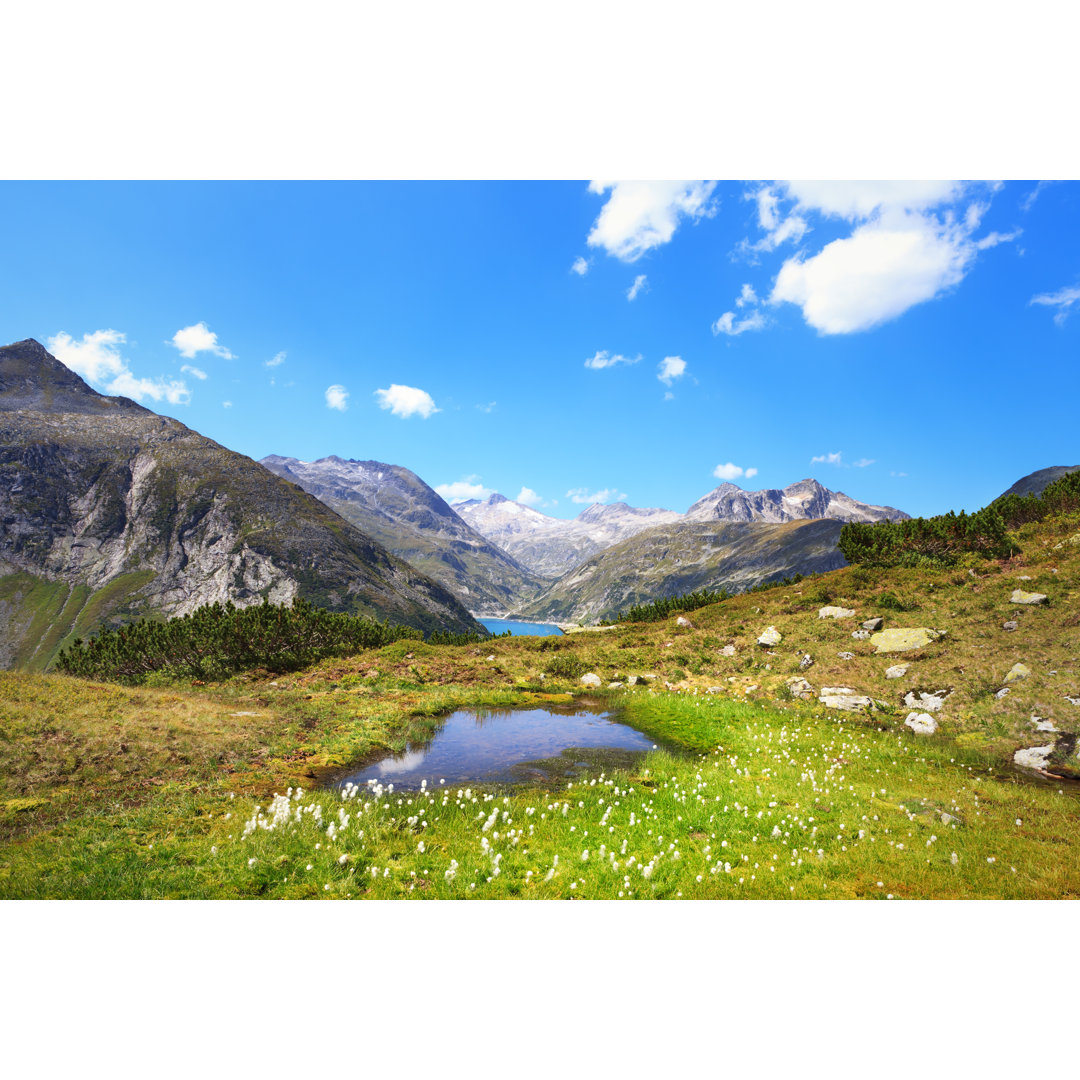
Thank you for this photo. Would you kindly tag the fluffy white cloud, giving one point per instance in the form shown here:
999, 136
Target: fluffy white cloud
337, 397
730, 471
605, 359
1063, 300
778, 228
198, 373
406, 401
226, 404
728, 324
863, 462
827, 459
193, 340
639, 284
580, 266
641, 215
489, 407
467, 488
98, 360
527, 497
671, 368
859, 199
883, 268
604, 495
276, 360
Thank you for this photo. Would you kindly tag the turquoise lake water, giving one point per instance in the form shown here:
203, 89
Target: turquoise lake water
500, 626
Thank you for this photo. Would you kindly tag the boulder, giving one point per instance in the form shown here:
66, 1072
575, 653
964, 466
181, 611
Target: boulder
873, 624
897, 671
1021, 597
632, 680
682, 620
770, 636
904, 639
1012, 624
1070, 541
728, 650
1017, 672
800, 688
921, 723
1034, 757
928, 702
591, 679
1043, 725
1003, 692
806, 662
835, 613
845, 699
860, 635
714, 689
846, 655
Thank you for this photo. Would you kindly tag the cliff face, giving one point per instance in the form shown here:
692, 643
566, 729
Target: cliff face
395, 507
109, 511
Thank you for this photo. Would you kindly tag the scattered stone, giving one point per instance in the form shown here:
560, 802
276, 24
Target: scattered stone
650, 678
614, 685
591, 679
1017, 672
244, 714
770, 636
1070, 541
1012, 624
800, 688
897, 671
1021, 597
921, 723
1043, 725
860, 635
1024, 577
1034, 757
835, 613
728, 650
904, 639
633, 680
806, 662
682, 620
949, 819
846, 655
928, 702
491, 657
845, 699
1002, 693
756, 610
873, 624
541, 676
1072, 700
714, 689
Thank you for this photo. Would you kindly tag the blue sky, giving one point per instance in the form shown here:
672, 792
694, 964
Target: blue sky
575, 341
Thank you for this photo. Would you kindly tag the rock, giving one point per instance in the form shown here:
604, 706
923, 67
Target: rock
904, 639
770, 636
923, 700
728, 650
614, 685
835, 613
860, 635
1072, 700
632, 680
806, 662
845, 699
591, 679
800, 688
1043, 725
714, 689
897, 671
1017, 672
1071, 541
921, 723
949, 819
649, 678
846, 655
1021, 597
541, 676
491, 657
1002, 693
1024, 577
1012, 624
682, 620
874, 624
1034, 757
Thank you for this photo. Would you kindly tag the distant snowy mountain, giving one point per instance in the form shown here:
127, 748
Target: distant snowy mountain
806, 500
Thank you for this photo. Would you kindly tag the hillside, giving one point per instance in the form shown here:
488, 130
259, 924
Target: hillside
395, 507
1034, 483
109, 511
669, 560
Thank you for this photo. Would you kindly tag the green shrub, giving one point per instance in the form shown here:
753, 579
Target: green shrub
566, 666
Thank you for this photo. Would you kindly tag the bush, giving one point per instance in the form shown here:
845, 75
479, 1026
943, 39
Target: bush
566, 666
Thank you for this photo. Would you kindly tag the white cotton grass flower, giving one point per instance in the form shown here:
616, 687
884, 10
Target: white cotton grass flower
252, 862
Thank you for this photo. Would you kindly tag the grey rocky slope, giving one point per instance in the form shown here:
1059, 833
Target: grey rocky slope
1035, 483
806, 500
395, 507
109, 511
550, 546
671, 560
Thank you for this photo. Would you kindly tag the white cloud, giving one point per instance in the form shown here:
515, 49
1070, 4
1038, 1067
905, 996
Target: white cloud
198, 373
467, 488
668, 395
727, 323
337, 397
732, 472
605, 495
859, 199
1063, 300
193, 340
995, 238
863, 462
406, 401
98, 360
671, 368
527, 497
898, 474
747, 296
641, 215
605, 360
877, 273
226, 404
580, 266
639, 284
276, 360
778, 229
489, 407
827, 459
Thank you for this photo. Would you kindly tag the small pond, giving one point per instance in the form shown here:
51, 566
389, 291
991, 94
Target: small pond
510, 746
500, 626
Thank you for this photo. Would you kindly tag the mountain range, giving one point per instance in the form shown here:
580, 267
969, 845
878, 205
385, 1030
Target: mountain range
109, 511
